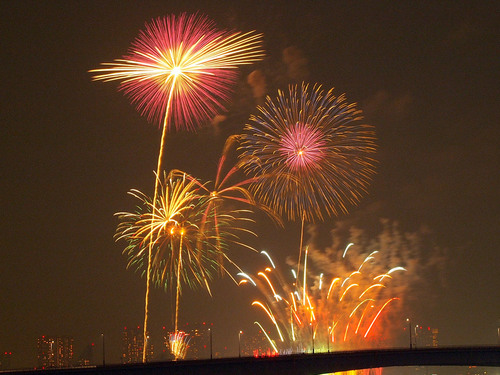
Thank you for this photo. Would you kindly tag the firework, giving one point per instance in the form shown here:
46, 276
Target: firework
181, 253
226, 190
180, 67
179, 344
163, 225
314, 150
325, 312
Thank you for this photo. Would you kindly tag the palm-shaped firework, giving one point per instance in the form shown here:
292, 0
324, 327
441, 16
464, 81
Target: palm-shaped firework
179, 71
227, 190
187, 244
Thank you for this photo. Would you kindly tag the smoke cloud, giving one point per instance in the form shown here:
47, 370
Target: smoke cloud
416, 251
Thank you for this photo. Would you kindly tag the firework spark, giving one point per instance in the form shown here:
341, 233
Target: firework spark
325, 313
315, 151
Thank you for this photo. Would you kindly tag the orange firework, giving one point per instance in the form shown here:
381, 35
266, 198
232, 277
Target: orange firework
324, 313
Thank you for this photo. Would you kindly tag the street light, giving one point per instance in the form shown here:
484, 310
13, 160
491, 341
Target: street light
312, 336
210, 334
416, 336
328, 339
409, 329
239, 342
103, 351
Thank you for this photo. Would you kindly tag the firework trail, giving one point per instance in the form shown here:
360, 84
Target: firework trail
314, 152
326, 312
180, 68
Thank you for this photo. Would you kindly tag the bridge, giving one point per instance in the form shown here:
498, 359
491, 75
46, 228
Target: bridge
303, 364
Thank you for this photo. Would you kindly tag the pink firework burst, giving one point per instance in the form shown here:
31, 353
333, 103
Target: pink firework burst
313, 151
302, 146
184, 66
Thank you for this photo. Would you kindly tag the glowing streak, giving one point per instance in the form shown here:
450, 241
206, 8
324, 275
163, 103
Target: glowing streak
331, 286
362, 316
294, 304
382, 277
311, 309
345, 291
178, 282
354, 273
305, 271
370, 287
276, 296
358, 305
320, 281
333, 330
247, 277
344, 282
271, 316
298, 295
376, 316
268, 338
369, 257
269, 257
396, 269
294, 274
347, 248
297, 318
346, 329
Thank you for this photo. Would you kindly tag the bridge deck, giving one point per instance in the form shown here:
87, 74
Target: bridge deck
303, 364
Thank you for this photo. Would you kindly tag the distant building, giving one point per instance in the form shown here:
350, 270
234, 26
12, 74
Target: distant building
426, 337
6, 361
256, 345
199, 347
55, 352
86, 356
133, 345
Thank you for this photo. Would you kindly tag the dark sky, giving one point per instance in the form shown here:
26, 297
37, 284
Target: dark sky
425, 74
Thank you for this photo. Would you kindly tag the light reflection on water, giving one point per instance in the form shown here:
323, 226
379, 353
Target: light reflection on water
425, 370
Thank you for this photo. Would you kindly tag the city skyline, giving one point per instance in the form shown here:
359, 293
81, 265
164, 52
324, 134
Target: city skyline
423, 75
57, 351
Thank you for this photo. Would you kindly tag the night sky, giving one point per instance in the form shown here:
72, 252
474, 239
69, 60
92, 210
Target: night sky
424, 73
